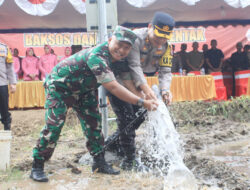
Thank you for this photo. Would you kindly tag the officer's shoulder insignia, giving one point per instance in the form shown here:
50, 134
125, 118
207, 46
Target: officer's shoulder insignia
3, 50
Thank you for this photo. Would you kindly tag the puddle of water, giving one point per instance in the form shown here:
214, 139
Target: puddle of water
234, 154
60, 180
65, 180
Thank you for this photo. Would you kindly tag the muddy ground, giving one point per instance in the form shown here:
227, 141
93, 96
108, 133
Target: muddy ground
216, 142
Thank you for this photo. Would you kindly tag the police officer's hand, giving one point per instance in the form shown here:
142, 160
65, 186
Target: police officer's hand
150, 105
129, 84
140, 94
149, 93
12, 88
167, 97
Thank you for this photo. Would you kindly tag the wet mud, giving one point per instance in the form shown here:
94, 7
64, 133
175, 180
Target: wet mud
215, 139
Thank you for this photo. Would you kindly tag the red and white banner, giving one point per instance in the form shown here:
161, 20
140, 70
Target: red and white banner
227, 37
37, 7
79, 5
45, 7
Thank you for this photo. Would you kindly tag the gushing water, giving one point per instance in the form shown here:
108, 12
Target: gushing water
162, 152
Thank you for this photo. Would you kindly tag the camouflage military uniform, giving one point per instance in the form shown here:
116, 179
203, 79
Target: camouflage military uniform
73, 83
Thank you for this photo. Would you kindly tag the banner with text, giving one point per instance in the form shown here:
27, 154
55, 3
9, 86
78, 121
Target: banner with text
58, 41
226, 36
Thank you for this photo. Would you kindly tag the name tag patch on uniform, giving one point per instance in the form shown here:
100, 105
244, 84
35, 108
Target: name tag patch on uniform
166, 60
3, 51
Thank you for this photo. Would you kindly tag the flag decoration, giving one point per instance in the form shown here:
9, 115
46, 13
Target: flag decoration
37, 7
79, 5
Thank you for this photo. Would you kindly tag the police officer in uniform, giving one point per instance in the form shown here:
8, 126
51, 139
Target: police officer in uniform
7, 76
73, 83
150, 53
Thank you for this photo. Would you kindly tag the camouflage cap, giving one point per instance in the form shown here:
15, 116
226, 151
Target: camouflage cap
124, 34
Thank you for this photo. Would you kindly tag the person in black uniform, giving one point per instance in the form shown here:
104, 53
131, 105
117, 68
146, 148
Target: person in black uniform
150, 53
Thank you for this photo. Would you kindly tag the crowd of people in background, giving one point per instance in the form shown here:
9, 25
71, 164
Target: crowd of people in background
210, 60
31, 67
206, 61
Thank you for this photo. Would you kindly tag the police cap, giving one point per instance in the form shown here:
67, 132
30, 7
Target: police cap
163, 25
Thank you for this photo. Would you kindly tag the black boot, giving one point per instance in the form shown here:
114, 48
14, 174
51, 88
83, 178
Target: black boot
7, 126
129, 164
101, 166
37, 173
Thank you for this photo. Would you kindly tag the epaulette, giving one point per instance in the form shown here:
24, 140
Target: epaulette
2, 44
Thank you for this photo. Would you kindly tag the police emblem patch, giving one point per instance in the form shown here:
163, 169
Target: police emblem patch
165, 28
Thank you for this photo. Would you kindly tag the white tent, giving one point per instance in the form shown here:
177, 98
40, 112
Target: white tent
61, 14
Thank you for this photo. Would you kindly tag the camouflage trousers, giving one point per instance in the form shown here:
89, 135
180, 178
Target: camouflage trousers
56, 109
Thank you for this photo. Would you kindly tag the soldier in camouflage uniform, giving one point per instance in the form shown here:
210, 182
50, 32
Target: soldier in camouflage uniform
150, 54
73, 83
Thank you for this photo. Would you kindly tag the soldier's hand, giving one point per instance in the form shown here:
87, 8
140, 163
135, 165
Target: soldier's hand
151, 105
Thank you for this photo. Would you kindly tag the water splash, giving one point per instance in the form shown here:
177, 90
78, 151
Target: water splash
162, 151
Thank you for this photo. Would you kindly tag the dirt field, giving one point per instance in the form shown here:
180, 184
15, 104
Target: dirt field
217, 150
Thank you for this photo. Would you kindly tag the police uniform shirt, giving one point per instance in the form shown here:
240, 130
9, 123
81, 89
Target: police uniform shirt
7, 74
145, 58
